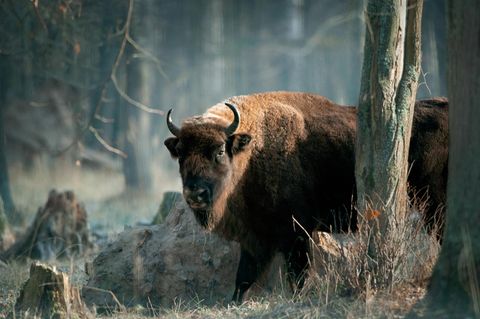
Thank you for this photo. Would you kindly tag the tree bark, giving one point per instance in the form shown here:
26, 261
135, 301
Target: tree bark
454, 289
388, 89
167, 205
137, 165
390, 72
5, 192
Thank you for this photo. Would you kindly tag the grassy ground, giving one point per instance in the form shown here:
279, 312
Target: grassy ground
338, 294
382, 305
392, 305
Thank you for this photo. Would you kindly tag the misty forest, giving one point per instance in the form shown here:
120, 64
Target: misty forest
94, 217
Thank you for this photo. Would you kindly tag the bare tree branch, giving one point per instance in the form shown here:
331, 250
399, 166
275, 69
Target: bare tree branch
105, 144
84, 130
88, 127
120, 54
39, 16
109, 292
135, 103
149, 55
104, 119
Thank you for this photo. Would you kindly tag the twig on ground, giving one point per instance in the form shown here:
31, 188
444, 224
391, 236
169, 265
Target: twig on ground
120, 306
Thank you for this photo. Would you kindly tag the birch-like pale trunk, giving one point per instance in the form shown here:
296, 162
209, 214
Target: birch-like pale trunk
390, 72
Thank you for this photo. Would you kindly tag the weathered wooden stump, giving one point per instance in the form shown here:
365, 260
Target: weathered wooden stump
162, 264
167, 205
48, 294
6, 236
59, 229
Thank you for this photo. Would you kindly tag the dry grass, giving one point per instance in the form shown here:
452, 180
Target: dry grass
14, 274
391, 305
12, 277
343, 284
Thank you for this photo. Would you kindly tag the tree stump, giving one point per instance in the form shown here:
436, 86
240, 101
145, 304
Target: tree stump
162, 264
48, 294
59, 230
6, 236
168, 203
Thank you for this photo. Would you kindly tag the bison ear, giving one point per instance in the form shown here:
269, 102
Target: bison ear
239, 142
171, 144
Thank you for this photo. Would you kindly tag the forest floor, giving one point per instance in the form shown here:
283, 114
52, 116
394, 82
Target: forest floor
110, 209
382, 305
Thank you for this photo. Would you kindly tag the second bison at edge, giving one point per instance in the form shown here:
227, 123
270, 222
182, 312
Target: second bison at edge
253, 165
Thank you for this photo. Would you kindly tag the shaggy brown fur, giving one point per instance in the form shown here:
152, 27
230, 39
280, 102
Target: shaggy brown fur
290, 161
428, 157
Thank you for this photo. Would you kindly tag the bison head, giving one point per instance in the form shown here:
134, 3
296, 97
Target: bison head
206, 151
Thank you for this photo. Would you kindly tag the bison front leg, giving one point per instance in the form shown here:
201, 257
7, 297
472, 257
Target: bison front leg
249, 270
296, 258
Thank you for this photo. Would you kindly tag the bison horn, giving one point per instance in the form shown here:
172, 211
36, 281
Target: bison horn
172, 128
230, 130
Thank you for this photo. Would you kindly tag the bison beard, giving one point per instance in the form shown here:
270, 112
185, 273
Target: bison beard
250, 169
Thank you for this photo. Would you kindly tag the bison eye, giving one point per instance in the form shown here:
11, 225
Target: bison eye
220, 153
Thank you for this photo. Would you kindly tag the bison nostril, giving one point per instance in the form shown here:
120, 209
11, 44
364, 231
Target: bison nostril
197, 196
202, 194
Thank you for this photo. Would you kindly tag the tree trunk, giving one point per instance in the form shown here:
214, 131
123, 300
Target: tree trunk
167, 205
387, 96
137, 166
454, 289
8, 208
5, 192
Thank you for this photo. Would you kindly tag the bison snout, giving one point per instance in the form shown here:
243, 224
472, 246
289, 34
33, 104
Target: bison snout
197, 198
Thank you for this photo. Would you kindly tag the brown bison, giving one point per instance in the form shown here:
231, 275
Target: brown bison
257, 166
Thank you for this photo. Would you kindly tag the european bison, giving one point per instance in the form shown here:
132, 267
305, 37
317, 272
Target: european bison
256, 169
